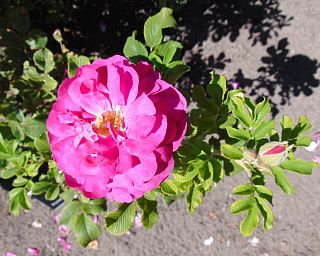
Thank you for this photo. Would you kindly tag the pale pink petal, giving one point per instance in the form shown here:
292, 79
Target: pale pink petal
63, 229
34, 251
138, 220
317, 159
10, 254
56, 218
67, 247
312, 147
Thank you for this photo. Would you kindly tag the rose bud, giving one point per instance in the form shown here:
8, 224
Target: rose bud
273, 153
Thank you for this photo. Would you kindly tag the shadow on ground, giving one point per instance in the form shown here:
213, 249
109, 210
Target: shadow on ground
282, 74
102, 27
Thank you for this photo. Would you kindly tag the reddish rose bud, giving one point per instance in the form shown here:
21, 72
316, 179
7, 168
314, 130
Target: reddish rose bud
273, 153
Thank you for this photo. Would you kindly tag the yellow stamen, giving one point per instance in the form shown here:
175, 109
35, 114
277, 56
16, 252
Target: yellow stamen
112, 117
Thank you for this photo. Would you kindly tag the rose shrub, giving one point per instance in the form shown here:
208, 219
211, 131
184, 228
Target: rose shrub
114, 127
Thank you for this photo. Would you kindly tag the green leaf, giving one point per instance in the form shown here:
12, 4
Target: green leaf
286, 125
134, 50
231, 152
167, 50
94, 207
286, 122
9, 173
239, 134
263, 130
156, 62
69, 214
250, 222
15, 206
261, 111
242, 205
52, 193
303, 141
218, 171
199, 95
31, 72
174, 71
266, 213
241, 112
154, 25
42, 144
19, 181
264, 192
169, 188
226, 121
303, 126
282, 180
49, 83
32, 170
120, 221
19, 19
194, 198
74, 62
86, 230
192, 171
33, 128
67, 196
15, 192
151, 195
299, 166
11, 147
241, 190
4, 153
149, 212
24, 200
206, 174
40, 187
36, 39
43, 59
16, 130
217, 88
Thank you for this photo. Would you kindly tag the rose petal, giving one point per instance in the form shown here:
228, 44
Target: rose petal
312, 147
275, 150
138, 220
63, 229
34, 251
114, 128
10, 254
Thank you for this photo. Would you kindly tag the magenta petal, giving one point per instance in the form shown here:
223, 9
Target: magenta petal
10, 254
33, 251
67, 247
275, 150
62, 240
113, 129
63, 229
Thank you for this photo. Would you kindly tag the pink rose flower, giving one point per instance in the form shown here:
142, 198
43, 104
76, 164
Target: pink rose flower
114, 128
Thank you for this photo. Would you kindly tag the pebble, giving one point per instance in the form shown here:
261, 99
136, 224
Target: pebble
93, 245
36, 224
212, 215
208, 241
254, 241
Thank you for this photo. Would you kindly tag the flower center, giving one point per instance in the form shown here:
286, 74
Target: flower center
107, 119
